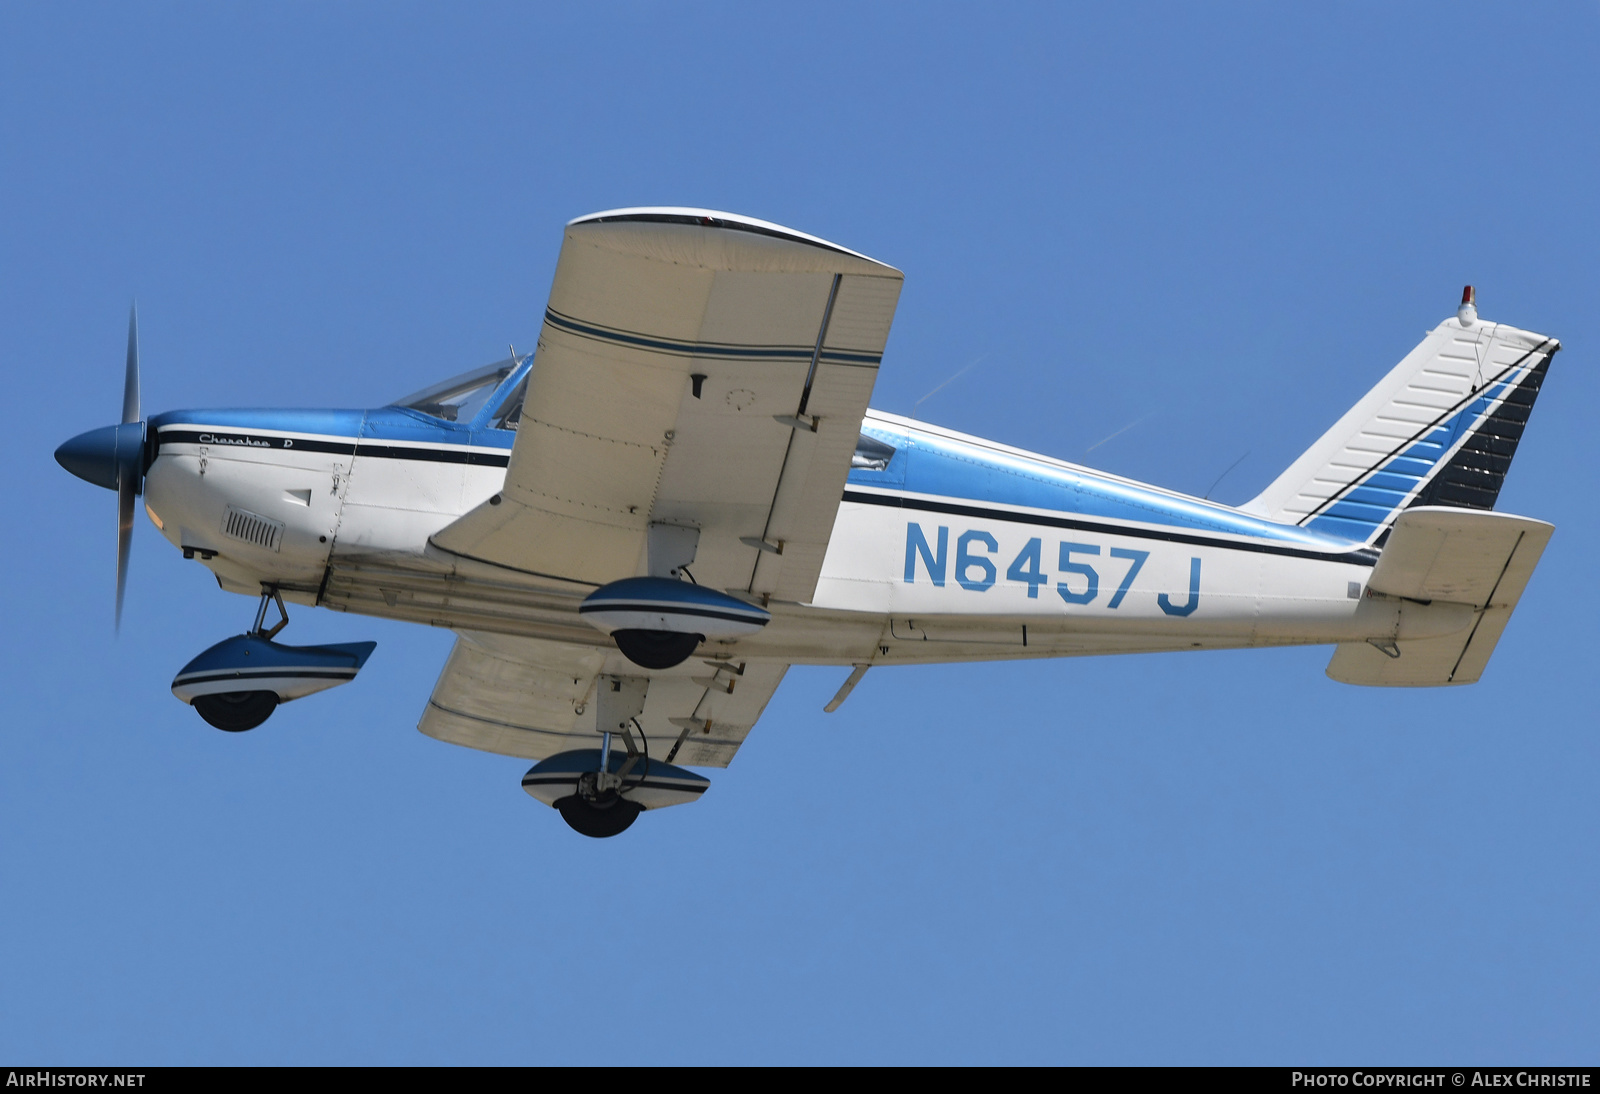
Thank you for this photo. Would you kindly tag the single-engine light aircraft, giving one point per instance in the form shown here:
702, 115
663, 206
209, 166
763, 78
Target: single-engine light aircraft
636, 529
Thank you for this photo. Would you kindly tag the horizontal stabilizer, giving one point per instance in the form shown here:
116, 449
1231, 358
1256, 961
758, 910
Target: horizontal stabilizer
1452, 555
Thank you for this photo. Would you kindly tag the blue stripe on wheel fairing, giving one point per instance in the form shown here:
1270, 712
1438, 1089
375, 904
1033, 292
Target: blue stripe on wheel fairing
667, 607
564, 778
262, 674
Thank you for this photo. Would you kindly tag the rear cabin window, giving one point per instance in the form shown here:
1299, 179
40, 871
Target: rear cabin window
871, 454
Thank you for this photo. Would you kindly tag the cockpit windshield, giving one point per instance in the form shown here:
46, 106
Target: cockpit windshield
460, 398
510, 411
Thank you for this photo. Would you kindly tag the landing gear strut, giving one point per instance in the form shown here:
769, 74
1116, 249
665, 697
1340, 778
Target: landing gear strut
598, 809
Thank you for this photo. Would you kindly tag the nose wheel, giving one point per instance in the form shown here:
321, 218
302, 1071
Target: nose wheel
236, 711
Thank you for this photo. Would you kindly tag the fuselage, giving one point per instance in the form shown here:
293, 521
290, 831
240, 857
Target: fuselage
945, 547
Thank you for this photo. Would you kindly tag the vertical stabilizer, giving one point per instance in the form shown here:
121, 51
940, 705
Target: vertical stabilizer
1439, 430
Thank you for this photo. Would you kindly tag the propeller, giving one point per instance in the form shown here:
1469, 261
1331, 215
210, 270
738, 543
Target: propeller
130, 472
113, 456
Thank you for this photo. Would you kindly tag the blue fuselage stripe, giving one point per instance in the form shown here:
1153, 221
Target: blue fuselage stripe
475, 456
977, 483
1359, 557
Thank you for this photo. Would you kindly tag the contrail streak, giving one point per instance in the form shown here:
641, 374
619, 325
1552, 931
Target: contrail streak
948, 382
1117, 434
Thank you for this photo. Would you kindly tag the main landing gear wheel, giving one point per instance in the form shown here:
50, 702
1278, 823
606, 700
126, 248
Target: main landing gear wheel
608, 815
237, 711
656, 649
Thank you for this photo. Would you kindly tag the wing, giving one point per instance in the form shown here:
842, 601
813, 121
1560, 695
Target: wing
674, 342
534, 697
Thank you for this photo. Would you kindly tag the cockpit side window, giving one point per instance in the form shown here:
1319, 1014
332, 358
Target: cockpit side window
460, 398
871, 454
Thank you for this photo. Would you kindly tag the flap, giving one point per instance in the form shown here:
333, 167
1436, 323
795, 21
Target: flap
672, 341
533, 698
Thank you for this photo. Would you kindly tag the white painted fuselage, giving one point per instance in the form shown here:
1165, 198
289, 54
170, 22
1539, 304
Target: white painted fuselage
955, 549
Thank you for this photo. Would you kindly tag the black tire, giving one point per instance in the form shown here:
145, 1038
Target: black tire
598, 821
657, 649
236, 711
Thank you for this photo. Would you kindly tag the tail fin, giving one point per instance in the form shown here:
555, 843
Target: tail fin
1440, 429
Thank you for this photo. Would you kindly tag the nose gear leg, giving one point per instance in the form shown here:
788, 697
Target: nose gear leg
269, 595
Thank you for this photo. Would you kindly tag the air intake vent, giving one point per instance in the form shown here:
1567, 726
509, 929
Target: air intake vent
259, 530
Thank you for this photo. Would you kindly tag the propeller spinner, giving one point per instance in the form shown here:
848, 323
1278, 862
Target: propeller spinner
113, 456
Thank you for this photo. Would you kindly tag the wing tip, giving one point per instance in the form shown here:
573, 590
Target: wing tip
714, 218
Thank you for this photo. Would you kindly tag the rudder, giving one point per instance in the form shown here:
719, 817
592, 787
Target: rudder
1439, 430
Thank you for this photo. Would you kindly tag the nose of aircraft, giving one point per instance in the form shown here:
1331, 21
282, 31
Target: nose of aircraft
98, 455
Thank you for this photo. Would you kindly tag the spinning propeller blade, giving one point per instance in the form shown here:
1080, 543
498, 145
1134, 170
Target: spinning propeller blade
113, 456
130, 380
130, 465
124, 540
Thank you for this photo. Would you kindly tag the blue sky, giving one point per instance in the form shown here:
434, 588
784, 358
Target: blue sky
1206, 230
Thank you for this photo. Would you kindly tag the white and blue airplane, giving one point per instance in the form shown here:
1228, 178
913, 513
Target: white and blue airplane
635, 530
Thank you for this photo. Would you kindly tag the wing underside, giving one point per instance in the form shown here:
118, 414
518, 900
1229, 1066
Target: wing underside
672, 345
696, 372
534, 698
